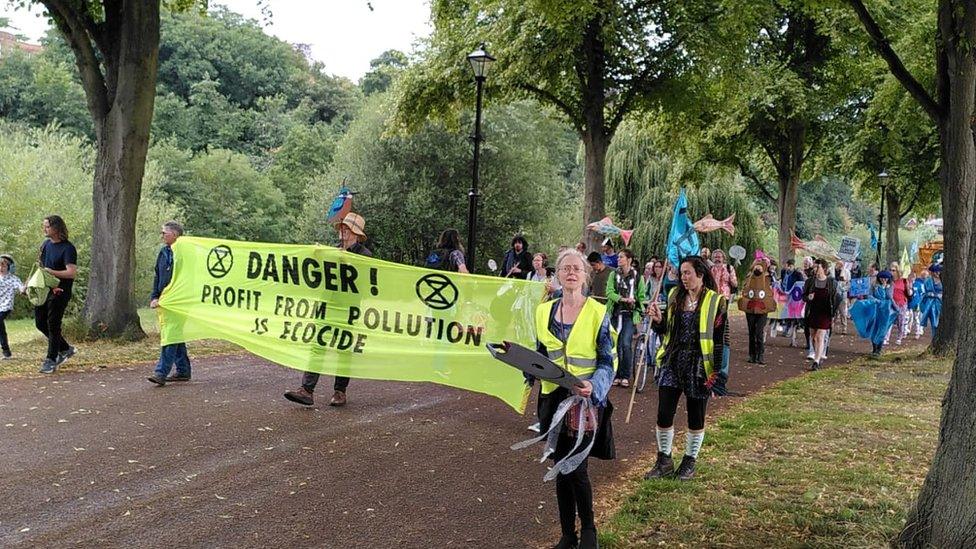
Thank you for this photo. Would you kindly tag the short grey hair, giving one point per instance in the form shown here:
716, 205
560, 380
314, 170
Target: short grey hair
573, 253
174, 227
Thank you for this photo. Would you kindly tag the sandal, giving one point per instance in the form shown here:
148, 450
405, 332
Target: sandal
625, 383
616, 381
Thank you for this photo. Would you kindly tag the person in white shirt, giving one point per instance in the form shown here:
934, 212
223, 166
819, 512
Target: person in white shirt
10, 286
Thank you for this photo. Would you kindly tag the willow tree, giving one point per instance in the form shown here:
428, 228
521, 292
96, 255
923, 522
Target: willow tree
643, 183
592, 61
116, 48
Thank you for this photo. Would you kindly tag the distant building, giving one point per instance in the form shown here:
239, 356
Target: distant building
9, 42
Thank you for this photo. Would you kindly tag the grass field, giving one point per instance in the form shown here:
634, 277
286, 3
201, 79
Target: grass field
29, 348
829, 459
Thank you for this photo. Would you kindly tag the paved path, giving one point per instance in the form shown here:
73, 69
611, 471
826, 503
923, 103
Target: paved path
106, 459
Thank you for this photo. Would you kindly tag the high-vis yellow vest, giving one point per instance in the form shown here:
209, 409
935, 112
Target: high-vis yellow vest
706, 322
581, 345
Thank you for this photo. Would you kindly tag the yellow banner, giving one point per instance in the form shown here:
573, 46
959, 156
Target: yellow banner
325, 310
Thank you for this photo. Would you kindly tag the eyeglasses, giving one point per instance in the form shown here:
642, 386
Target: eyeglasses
570, 269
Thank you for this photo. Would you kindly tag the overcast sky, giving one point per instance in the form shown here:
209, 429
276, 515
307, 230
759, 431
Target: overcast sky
344, 34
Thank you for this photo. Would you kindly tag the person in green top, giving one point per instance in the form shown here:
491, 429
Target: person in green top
626, 300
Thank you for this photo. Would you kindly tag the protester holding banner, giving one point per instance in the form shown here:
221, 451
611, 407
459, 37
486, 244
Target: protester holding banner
351, 237
58, 258
931, 306
10, 286
693, 359
175, 353
819, 292
574, 331
626, 298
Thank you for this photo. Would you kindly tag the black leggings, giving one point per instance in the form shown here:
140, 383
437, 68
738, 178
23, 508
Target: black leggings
48, 317
667, 405
574, 493
4, 344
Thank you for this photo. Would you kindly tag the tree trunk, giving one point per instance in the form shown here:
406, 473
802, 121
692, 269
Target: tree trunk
944, 515
595, 146
122, 136
892, 222
958, 180
789, 195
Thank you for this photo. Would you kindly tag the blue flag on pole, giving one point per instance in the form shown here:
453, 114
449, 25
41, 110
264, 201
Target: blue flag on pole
682, 239
913, 251
874, 238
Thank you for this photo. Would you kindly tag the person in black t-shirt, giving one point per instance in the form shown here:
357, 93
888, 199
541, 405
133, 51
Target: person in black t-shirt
59, 258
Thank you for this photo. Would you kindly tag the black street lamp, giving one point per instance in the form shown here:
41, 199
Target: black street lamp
480, 63
883, 184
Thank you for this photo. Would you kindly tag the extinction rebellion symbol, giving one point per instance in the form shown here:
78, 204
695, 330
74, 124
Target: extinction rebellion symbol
437, 291
219, 261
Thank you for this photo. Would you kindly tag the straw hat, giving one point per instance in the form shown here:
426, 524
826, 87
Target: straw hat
356, 223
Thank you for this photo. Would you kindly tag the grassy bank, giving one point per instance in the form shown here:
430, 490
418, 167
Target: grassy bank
830, 459
29, 348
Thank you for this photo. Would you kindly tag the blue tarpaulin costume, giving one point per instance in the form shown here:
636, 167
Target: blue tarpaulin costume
874, 316
931, 306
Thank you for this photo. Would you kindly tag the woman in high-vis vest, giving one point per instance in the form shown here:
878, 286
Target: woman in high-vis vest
693, 359
574, 332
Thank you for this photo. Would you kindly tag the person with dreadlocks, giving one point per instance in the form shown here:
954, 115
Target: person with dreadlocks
693, 359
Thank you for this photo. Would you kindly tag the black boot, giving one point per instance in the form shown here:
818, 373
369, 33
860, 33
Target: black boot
588, 539
752, 359
566, 542
760, 359
663, 468
686, 471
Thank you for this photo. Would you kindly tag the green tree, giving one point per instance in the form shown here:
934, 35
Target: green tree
643, 183
943, 515
412, 187
220, 194
382, 71
769, 115
41, 90
592, 61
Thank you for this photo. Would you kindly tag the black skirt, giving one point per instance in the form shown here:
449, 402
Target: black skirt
603, 447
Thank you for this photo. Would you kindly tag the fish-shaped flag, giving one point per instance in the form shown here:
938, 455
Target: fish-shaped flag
606, 227
818, 247
708, 224
341, 206
682, 238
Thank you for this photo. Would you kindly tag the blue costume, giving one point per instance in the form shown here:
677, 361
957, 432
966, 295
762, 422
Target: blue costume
931, 306
874, 316
918, 290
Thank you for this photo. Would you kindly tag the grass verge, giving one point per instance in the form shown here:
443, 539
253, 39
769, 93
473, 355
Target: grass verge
29, 348
829, 459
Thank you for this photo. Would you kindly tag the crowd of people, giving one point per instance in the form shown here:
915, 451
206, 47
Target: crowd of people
594, 303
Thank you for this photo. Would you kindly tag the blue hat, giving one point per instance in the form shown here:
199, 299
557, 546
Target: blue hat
885, 275
937, 268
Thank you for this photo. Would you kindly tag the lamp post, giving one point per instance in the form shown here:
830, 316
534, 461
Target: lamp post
480, 62
883, 184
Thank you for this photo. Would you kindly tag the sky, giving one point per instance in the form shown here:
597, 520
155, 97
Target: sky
344, 34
